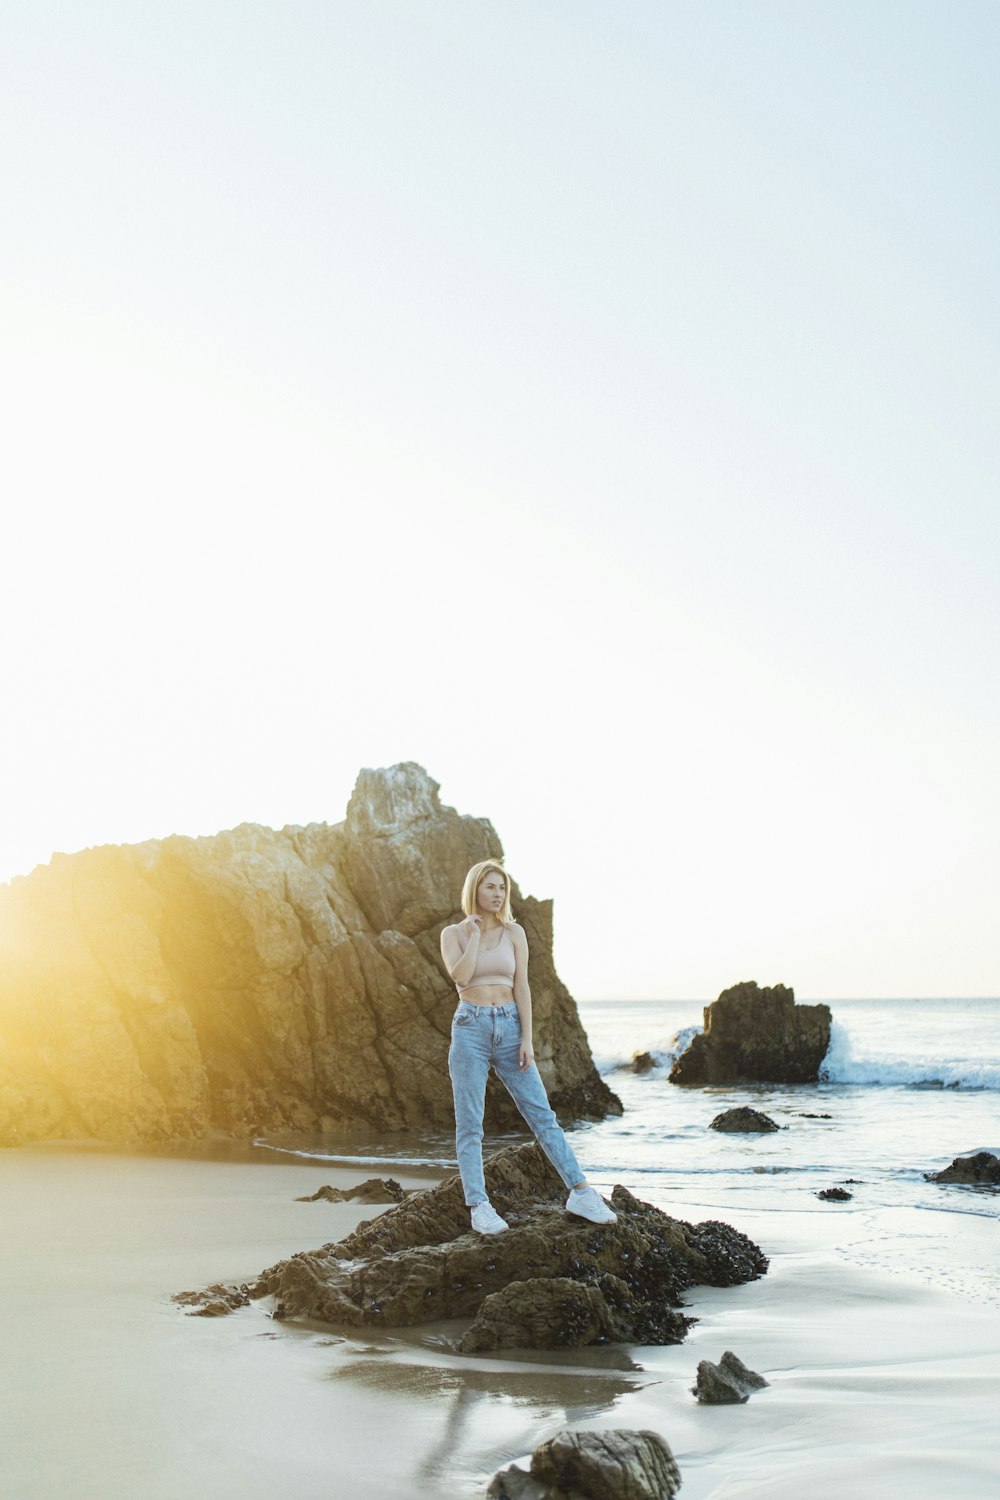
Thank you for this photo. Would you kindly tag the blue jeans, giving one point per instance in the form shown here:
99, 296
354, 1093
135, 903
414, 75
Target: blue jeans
485, 1034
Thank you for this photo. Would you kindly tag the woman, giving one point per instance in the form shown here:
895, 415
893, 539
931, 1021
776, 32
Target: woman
487, 957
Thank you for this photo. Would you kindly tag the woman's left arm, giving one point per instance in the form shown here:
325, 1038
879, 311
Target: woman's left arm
522, 995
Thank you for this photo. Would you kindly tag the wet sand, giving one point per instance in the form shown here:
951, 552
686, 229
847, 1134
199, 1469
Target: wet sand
879, 1385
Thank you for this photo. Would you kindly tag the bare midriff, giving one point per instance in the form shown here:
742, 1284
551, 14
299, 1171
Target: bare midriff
488, 994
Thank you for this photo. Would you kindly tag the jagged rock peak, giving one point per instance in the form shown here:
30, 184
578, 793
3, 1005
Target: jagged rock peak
392, 801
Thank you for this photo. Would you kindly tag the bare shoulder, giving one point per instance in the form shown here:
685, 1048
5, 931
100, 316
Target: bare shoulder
517, 932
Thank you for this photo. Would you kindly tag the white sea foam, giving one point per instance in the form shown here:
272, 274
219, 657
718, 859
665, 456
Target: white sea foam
664, 1056
843, 1064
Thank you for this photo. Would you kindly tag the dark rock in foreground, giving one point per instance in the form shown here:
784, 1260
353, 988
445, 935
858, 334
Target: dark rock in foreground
261, 980
550, 1281
727, 1382
554, 1312
835, 1195
743, 1119
622, 1464
755, 1035
372, 1190
979, 1170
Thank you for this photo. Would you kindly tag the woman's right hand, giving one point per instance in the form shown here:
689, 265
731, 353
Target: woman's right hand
471, 925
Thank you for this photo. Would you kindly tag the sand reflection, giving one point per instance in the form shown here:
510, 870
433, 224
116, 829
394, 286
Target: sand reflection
483, 1418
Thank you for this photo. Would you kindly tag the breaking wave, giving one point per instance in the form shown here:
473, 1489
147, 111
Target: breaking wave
843, 1065
663, 1057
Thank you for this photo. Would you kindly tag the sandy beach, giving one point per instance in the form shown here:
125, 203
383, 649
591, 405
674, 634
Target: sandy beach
877, 1383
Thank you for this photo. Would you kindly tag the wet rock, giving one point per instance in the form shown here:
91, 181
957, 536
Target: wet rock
619, 1464
372, 1190
980, 1169
260, 980
214, 1301
744, 1119
557, 1313
755, 1035
727, 1382
805, 1114
835, 1195
572, 1280
643, 1062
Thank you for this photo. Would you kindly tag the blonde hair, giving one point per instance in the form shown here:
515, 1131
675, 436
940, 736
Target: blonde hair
475, 877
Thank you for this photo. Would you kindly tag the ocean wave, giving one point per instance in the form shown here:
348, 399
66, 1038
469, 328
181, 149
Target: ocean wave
842, 1065
663, 1057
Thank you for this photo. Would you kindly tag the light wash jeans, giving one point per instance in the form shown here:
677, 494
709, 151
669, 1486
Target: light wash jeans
485, 1034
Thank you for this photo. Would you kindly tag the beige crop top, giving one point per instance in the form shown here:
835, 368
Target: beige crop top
495, 965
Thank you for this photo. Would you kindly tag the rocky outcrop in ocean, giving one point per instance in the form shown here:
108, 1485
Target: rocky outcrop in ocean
755, 1035
744, 1121
979, 1169
260, 980
550, 1281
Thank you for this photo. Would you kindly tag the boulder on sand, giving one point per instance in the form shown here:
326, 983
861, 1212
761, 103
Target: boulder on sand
727, 1382
584, 1283
620, 1464
755, 1035
260, 980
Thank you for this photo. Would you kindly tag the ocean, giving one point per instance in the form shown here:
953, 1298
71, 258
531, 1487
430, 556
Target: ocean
907, 1085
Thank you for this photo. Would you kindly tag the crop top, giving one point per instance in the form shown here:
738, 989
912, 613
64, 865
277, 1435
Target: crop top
495, 965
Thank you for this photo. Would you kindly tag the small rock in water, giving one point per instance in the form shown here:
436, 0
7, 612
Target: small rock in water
643, 1062
835, 1195
214, 1301
372, 1190
982, 1169
727, 1382
620, 1464
746, 1120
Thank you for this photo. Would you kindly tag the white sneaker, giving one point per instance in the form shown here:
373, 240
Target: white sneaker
486, 1220
587, 1203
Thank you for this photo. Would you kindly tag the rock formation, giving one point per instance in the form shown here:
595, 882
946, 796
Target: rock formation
550, 1281
755, 1035
727, 1382
835, 1195
981, 1169
259, 980
622, 1464
743, 1120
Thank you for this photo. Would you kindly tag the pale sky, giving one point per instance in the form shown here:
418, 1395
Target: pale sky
596, 403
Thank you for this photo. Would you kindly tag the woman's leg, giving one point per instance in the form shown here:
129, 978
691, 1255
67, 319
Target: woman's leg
527, 1090
469, 1065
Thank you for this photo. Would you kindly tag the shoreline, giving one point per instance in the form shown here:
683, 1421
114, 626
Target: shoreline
112, 1393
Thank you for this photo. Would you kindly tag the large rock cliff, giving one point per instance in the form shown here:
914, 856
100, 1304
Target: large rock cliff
259, 980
